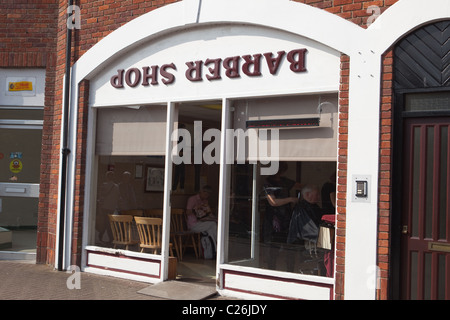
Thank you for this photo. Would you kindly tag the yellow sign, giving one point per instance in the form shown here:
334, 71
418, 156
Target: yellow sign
20, 86
15, 166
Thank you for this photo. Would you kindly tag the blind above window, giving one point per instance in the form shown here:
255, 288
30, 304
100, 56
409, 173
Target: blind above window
307, 143
131, 131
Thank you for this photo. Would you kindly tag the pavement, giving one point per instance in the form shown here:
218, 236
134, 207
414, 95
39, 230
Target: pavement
26, 280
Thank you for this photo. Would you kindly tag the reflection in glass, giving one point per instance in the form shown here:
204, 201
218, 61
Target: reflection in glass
120, 194
262, 217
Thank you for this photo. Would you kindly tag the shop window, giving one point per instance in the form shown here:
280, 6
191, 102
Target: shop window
129, 175
266, 210
126, 186
262, 233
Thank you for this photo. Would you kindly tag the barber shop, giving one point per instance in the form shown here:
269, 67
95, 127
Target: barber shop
221, 137
275, 151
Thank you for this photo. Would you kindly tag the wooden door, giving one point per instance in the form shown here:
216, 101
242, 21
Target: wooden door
425, 243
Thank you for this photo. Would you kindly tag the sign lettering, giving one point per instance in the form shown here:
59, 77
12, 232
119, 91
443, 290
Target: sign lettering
211, 69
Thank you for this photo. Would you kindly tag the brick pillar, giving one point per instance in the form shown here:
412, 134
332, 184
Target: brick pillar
342, 178
385, 176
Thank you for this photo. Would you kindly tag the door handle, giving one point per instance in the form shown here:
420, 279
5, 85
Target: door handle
405, 229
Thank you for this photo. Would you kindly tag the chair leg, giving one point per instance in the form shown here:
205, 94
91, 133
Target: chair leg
180, 247
177, 248
199, 245
194, 245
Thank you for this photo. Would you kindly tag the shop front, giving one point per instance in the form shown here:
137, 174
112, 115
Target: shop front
244, 100
202, 94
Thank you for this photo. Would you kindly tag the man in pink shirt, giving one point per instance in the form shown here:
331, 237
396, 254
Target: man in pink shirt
199, 215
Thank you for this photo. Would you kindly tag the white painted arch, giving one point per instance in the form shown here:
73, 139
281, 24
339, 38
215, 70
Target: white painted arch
286, 15
403, 17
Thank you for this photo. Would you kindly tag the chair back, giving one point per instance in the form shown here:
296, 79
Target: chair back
177, 220
121, 228
133, 212
150, 232
182, 236
153, 213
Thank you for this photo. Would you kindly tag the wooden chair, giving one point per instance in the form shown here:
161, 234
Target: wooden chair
121, 226
182, 237
133, 212
150, 234
153, 213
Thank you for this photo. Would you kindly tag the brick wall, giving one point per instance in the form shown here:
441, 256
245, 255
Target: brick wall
99, 18
342, 177
27, 40
385, 175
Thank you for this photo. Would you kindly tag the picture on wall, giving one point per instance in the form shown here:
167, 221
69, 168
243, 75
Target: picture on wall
154, 179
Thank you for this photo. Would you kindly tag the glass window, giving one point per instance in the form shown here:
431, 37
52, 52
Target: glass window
274, 215
129, 177
264, 224
436, 101
126, 185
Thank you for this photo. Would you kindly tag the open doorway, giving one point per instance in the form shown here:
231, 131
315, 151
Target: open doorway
202, 123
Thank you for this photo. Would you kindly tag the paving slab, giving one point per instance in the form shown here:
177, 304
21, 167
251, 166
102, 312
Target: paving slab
24, 280
179, 290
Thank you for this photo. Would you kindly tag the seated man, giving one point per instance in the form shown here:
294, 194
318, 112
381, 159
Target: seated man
199, 215
306, 216
304, 226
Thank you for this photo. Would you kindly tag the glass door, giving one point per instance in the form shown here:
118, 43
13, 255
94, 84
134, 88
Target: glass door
20, 158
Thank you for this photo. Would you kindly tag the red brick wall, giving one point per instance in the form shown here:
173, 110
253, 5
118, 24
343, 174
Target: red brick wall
355, 11
80, 169
342, 178
27, 40
385, 175
99, 18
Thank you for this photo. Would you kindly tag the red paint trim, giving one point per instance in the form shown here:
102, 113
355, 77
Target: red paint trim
274, 278
123, 257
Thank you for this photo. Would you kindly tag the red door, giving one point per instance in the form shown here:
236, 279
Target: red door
426, 215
